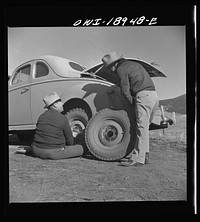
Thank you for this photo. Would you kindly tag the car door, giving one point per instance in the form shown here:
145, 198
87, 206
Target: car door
19, 96
44, 81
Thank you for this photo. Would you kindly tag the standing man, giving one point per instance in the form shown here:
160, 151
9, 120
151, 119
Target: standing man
53, 137
138, 88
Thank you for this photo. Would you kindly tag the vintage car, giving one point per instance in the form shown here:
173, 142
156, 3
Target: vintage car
92, 102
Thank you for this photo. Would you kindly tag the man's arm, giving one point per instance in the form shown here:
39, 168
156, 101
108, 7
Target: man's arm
125, 85
68, 133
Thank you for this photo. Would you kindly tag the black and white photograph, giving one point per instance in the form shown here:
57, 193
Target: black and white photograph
98, 110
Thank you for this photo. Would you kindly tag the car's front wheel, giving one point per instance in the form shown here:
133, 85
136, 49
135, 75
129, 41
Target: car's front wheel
78, 120
108, 135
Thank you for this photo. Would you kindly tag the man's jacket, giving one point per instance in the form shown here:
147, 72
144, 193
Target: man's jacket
133, 78
53, 131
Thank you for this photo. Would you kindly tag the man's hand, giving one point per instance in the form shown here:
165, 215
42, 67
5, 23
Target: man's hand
80, 137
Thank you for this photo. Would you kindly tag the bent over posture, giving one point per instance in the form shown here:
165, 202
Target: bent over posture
139, 89
53, 137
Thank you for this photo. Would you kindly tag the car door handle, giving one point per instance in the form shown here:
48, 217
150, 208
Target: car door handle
24, 90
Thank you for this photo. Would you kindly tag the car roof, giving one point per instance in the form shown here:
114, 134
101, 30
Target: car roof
62, 66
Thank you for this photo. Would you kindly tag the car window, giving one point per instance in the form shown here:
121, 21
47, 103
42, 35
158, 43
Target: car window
22, 75
41, 70
76, 66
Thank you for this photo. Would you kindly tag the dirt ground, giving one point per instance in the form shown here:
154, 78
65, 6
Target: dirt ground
90, 180
87, 179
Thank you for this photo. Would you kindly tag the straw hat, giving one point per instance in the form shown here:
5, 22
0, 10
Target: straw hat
50, 99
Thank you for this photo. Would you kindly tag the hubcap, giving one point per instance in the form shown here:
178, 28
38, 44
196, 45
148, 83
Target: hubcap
77, 127
110, 133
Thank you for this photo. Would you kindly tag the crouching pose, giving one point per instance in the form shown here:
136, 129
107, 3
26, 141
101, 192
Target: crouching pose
53, 137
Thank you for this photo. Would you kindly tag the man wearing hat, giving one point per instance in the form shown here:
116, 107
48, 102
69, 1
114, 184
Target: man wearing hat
139, 89
53, 137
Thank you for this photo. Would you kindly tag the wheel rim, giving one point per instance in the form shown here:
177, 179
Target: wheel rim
109, 133
77, 126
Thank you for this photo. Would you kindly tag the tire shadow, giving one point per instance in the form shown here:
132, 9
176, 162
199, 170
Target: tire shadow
14, 140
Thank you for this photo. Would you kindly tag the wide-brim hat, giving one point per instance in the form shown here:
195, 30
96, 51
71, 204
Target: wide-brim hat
110, 59
50, 99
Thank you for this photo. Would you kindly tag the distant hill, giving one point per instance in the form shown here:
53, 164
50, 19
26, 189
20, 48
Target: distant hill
177, 104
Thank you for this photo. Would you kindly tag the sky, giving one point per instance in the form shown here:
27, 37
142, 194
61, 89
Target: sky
165, 45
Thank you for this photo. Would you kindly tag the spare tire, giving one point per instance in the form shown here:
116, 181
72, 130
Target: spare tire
108, 134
